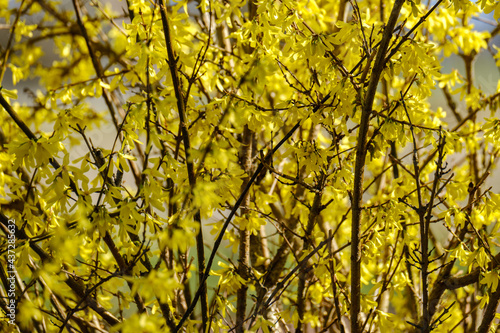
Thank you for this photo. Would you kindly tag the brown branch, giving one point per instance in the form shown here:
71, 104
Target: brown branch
360, 164
313, 215
424, 230
181, 108
244, 247
451, 103
425, 254
489, 312
334, 282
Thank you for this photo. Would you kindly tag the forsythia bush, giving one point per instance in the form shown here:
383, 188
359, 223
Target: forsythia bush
271, 166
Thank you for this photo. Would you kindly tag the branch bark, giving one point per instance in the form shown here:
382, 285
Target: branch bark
360, 165
313, 215
244, 250
490, 311
181, 108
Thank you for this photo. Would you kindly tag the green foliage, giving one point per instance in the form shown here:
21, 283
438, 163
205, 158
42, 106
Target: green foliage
165, 148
